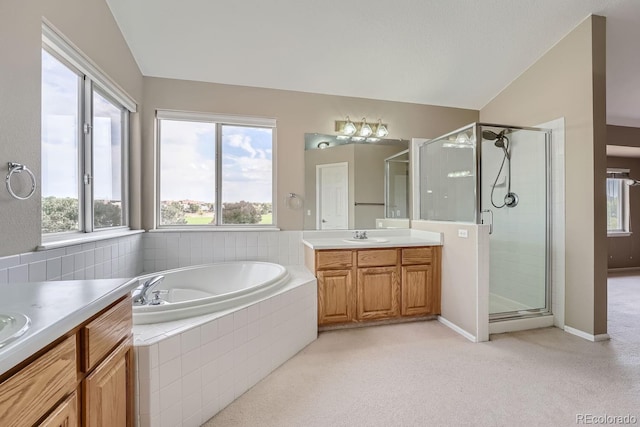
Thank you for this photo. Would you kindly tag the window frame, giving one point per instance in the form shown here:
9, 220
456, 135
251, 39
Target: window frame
91, 79
623, 204
219, 120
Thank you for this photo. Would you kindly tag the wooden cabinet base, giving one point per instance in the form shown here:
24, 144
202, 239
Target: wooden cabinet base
372, 285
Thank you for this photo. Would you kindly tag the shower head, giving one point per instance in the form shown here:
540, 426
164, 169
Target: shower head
491, 135
499, 143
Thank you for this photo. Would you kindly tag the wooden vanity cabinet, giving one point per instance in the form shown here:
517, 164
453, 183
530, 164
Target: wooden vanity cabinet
85, 378
363, 285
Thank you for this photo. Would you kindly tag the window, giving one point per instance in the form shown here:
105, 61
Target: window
215, 170
617, 204
84, 143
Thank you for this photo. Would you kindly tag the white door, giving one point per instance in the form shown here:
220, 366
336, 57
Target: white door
332, 182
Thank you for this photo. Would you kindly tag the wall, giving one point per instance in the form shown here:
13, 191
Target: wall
297, 113
91, 27
465, 277
624, 252
569, 81
623, 135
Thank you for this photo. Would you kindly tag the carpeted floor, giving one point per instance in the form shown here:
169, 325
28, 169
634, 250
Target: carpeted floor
424, 374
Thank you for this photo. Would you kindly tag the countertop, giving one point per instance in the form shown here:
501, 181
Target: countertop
388, 238
54, 308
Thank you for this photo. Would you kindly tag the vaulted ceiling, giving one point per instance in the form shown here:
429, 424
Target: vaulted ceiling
458, 53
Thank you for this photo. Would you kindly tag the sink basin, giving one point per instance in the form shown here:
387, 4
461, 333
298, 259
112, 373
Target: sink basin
12, 326
367, 240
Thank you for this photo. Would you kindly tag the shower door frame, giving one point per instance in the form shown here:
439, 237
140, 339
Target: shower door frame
513, 315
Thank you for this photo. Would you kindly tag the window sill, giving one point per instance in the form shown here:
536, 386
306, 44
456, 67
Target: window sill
214, 229
80, 238
619, 234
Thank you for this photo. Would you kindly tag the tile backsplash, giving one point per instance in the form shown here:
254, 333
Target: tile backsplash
166, 250
104, 259
156, 251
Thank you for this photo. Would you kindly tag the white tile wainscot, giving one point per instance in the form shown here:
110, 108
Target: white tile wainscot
104, 259
190, 369
165, 249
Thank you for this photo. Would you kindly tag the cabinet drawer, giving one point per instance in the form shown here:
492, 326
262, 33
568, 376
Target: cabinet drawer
65, 415
416, 256
333, 259
32, 392
377, 258
102, 334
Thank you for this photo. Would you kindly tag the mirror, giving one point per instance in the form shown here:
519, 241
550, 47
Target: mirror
345, 185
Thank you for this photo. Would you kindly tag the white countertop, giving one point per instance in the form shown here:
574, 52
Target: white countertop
54, 308
390, 238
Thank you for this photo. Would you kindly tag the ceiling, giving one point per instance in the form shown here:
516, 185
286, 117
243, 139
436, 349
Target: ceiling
458, 53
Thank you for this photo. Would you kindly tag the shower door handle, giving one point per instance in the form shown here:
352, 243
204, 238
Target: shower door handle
490, 212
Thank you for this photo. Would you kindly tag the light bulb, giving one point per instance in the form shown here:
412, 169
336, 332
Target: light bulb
365, 130
381, 131
349, 127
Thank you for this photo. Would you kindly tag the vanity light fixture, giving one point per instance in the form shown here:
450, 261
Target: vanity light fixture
365, 129
348, 129
323, 144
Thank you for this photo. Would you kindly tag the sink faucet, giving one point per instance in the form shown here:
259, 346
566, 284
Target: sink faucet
361, 235
140, 293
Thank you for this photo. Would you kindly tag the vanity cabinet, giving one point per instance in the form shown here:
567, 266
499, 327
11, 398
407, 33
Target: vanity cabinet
360, 285
83, 378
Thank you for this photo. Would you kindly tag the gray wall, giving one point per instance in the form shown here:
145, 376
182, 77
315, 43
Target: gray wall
91, 27
569, 81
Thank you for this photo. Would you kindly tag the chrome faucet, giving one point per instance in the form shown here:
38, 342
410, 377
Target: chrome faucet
140, 293
360, 235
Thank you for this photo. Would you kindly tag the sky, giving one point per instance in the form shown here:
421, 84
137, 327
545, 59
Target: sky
187, 162
187, 150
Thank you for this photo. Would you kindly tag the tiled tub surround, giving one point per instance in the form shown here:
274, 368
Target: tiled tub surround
164, 250
190, 369
104, 259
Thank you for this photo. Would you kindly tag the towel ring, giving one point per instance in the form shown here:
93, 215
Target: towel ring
19, 168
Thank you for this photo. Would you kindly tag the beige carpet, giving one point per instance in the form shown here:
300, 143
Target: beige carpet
424, 374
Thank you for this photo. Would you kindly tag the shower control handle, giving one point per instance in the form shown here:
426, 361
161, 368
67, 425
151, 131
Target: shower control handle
490, 212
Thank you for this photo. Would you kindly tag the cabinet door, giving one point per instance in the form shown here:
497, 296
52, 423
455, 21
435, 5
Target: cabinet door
378, 292
108, 391
65, 415
335, 296
418, 291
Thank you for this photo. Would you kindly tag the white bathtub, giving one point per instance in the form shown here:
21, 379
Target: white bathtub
202, 289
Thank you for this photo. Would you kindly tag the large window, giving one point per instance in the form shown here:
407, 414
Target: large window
215, 170
617, 206
84, 143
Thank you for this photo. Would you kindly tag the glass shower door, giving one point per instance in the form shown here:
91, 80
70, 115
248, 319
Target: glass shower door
514, 192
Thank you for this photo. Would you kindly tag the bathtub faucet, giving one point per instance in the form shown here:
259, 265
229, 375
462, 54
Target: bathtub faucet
140, 293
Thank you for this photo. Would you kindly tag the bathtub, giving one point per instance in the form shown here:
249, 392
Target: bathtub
202, 289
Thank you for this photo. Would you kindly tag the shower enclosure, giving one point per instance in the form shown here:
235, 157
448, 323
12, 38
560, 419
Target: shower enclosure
497, 175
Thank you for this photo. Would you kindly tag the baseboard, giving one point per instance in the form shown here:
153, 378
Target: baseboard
457, 329
622, 269
586, 336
